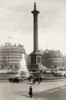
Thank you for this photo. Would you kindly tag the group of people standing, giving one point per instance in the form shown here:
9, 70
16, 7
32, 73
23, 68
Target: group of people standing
37, 79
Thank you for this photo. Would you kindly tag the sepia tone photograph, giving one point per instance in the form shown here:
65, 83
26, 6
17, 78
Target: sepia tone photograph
32, 49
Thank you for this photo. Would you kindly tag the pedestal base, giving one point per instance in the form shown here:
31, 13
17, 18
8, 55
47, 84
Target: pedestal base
33, 67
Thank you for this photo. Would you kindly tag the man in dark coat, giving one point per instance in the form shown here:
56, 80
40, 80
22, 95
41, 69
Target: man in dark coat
30, 91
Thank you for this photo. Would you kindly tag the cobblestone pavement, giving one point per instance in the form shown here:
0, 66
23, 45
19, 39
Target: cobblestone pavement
19, 91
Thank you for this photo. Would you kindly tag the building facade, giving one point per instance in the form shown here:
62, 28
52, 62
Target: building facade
53, 59
10, 56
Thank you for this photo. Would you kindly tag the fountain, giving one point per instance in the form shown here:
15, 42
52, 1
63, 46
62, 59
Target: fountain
23, 68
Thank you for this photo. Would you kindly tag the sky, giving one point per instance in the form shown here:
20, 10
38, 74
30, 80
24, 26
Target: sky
16, 21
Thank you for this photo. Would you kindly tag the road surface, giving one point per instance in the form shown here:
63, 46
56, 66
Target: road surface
47, 90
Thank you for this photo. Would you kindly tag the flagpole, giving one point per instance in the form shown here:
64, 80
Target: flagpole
9, 38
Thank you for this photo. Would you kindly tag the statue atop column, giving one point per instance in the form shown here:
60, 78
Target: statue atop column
35, 6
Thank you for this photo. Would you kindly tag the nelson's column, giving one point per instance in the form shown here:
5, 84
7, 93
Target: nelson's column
35, 55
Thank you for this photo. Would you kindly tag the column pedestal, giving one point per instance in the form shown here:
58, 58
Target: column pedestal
35, 61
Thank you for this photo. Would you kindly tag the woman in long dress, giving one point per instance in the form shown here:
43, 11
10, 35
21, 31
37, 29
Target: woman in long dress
30, 91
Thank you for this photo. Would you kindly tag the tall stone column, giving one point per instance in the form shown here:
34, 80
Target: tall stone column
35, 19
35, 55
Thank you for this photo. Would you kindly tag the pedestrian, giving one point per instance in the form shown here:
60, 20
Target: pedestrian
39, 80
29, 79
30, 91
34, 81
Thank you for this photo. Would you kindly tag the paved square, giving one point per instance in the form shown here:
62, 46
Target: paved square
20, 91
